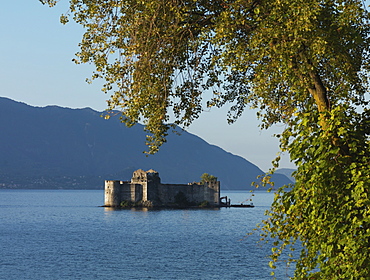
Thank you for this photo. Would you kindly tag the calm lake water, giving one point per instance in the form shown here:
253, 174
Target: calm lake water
63, 234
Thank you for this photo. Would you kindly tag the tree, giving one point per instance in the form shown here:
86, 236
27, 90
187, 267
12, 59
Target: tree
301, 63
207, 178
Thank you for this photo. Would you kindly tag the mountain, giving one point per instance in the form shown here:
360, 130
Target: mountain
55, 147
287, 172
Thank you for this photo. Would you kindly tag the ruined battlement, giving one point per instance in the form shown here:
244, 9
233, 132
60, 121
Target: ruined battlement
146, 189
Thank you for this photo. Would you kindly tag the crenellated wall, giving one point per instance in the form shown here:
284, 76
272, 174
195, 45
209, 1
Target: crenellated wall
146, 187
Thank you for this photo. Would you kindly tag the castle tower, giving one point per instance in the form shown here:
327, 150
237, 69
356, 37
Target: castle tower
140, 177
214, 192
152, 186
112, 194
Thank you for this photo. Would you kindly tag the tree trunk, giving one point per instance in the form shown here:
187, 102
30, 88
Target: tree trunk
319, 93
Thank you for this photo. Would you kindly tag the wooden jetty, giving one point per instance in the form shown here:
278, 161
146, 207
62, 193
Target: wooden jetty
226, 202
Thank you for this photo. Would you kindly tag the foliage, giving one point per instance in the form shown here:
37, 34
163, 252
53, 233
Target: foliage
127, 204
207, 178
301, 63
204, 204
328, 209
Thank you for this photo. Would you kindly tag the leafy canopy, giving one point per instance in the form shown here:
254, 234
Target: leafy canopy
207, 178
303, 63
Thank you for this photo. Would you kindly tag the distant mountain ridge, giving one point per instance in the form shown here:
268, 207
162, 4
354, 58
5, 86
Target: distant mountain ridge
55, 147
287, 172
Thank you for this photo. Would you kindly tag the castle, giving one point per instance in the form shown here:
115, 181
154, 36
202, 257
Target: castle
146, 189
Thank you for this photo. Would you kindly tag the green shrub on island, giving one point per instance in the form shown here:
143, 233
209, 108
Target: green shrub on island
204, 204
206, 178
127, 203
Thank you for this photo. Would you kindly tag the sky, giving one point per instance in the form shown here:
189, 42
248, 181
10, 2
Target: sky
36, 68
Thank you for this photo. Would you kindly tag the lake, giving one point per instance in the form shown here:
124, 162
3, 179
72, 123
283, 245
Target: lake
63, 234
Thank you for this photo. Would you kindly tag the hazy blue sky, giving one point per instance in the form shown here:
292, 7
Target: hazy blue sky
36, 68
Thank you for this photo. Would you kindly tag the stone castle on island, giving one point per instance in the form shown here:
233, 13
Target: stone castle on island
146, 190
